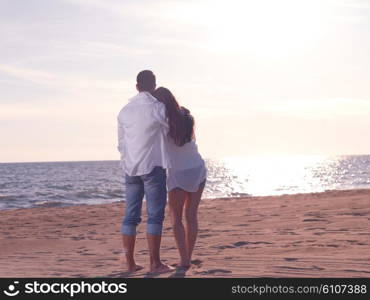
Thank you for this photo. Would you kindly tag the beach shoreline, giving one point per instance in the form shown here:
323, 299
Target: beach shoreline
299, 235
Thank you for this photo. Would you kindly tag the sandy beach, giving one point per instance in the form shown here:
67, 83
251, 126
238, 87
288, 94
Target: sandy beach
304, 235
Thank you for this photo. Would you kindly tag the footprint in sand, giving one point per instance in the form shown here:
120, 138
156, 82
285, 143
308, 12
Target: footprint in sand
312, 220
77, 238
239, 244
78, 275
290, 259
204, 235
357, 271
222, 247
122, 274
319, 233
313, 268
87, 254
196, 262
316, 228
214, 271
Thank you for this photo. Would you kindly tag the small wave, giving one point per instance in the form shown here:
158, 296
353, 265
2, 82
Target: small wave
66, 187
115, 193
48, 203
7, 198
364, 183
240, 194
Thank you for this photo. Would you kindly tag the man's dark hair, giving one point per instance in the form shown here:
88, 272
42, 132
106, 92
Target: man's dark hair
146, 81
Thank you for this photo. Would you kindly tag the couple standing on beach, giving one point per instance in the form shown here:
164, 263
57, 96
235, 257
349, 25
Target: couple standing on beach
157, 145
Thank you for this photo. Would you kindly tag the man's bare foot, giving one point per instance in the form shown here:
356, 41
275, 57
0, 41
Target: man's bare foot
134, 268
160, 269
131, 265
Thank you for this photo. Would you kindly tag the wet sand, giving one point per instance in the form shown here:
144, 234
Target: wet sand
304, 235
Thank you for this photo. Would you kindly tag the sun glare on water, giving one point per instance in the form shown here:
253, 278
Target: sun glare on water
269, 175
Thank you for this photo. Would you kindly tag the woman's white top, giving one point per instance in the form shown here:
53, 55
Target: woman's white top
187, 169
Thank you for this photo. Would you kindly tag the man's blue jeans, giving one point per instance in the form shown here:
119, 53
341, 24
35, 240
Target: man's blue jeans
153, 185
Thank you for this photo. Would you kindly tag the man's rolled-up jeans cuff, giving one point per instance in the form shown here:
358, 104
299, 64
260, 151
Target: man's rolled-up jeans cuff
154, 229
128, 229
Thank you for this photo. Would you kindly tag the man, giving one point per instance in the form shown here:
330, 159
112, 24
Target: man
142, 134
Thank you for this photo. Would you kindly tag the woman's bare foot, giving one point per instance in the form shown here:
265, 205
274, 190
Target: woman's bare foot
184, 265
184, 268
160, 269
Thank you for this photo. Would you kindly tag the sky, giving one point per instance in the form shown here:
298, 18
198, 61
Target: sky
261, 77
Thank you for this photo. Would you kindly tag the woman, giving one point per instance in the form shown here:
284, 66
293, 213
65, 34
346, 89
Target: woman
187, 176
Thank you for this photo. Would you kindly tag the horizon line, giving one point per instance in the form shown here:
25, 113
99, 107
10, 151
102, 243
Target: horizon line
206, 158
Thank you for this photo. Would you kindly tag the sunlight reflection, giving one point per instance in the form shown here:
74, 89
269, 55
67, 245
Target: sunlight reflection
272, 175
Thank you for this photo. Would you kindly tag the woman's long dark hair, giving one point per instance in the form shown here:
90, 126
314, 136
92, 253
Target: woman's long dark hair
179, 118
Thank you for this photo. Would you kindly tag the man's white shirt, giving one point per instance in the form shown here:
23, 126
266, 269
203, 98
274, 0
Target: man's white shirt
142, 135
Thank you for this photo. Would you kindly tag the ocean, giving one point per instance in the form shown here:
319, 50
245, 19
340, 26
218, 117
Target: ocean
25, 185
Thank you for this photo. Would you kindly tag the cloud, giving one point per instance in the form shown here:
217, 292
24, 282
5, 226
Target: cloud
61, 110
65, 81
351, 11
320, 108
153, 9
362, 4
32, 75
353, 19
